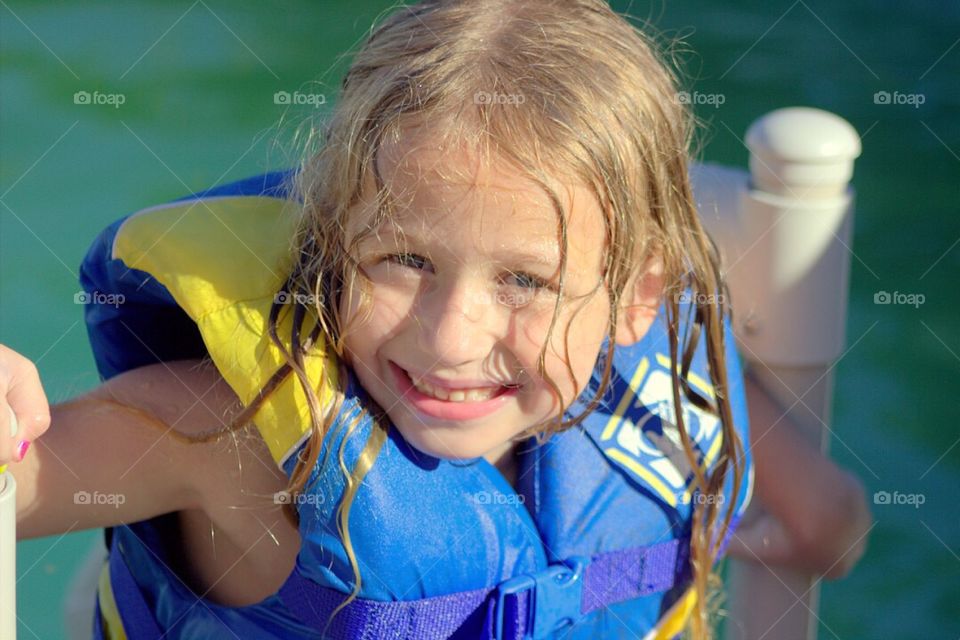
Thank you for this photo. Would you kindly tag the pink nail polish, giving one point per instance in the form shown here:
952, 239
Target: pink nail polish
22, 447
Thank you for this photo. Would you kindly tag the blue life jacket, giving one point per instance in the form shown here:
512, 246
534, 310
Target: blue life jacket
595, 535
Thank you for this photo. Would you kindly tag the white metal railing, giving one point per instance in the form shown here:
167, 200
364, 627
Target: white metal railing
784, 231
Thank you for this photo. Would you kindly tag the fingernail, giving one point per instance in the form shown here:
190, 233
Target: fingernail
22, 447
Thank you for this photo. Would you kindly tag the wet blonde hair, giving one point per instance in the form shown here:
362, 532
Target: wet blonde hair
585, 95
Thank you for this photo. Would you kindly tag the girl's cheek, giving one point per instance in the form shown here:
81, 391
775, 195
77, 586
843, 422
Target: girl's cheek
388, 310
533, 335
566, 330
576, 339
367, 332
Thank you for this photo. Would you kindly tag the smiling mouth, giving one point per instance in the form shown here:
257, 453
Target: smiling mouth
479, 394
458, 395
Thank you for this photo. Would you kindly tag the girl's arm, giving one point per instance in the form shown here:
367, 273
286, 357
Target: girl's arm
118, 454
816, 517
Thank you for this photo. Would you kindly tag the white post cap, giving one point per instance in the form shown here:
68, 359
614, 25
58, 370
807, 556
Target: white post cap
801, 152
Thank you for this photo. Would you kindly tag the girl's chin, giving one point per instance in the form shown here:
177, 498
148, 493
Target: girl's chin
445, 449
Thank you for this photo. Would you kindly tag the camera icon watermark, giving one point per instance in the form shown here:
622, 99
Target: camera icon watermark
303, 299
691, 297
114, 100
912, 99
714, 100
285, 497
912, 299
496, 497
99, 297
299, 98
486, 97
897, 498
98, 499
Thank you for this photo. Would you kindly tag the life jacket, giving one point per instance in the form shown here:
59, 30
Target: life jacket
593, 542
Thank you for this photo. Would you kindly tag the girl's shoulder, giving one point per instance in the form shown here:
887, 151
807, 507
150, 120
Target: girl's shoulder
192, 411
202, 277
188, 397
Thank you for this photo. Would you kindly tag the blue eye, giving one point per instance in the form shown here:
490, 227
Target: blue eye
527, 281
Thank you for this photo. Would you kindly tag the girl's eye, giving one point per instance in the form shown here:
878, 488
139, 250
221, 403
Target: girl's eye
527, 281
411, 260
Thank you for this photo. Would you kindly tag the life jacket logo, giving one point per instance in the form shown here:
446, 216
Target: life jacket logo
642, 437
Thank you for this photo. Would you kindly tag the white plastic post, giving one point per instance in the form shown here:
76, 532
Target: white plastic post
787, 259
8, 556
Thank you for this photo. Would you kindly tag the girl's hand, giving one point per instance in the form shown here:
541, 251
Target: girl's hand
24, 411
831, 553
816, 515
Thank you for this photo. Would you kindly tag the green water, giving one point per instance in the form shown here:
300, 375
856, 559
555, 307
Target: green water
199, 81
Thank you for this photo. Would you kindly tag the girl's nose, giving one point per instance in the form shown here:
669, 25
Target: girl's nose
456, 322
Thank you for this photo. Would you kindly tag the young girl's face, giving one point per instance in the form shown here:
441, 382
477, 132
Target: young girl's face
463, 284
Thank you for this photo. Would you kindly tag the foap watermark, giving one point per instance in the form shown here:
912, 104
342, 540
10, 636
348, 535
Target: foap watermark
486, 97
714, 100
517, 298
691, 297
299, 98
285, 497
99, 297
495, 497
709, 498
304, 299
912, 499
99, 499
97, 98
912, 99
898, 297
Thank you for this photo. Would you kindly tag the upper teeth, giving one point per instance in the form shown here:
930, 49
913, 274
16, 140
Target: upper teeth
455, 395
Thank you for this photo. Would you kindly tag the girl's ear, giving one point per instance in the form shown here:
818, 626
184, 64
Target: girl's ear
640, 302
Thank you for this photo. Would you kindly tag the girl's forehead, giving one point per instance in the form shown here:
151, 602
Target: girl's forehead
425, 181
457, 203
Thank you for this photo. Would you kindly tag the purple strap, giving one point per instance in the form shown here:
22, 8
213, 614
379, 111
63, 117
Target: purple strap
631, 573
609, 578
438, 617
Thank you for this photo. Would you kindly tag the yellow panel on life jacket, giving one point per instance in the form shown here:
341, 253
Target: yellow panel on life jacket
224, 260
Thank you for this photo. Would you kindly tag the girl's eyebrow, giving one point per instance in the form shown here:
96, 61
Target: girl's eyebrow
538, 252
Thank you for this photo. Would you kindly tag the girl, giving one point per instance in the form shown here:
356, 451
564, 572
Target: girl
466, 373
